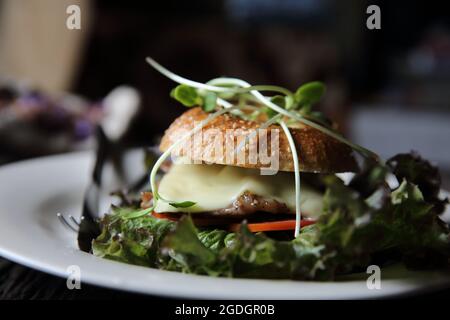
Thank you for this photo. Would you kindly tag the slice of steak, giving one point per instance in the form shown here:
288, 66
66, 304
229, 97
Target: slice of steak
244, 206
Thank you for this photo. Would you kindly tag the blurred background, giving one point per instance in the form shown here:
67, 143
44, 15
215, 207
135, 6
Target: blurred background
388, 89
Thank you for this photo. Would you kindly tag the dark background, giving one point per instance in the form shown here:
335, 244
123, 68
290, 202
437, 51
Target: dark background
284, 42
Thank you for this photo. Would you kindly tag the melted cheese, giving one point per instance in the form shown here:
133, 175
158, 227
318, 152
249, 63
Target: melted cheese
214, 187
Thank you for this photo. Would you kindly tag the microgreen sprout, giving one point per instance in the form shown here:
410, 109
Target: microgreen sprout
187, 95
298, 213
184, 204
309, 94
137, 214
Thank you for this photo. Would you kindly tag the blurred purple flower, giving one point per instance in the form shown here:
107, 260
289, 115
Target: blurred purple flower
83, 129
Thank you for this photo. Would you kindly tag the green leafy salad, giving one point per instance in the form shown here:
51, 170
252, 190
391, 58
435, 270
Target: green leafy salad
364, 222
388, 212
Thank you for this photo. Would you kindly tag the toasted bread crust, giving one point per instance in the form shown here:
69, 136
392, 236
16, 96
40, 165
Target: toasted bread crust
317, 152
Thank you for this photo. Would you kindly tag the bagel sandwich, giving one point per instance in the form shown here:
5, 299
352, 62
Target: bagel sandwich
226, 191
250, 183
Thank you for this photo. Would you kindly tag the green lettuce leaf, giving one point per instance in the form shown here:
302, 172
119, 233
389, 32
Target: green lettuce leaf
414, 169
135, 241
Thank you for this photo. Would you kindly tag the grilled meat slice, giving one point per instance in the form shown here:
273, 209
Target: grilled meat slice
243, 207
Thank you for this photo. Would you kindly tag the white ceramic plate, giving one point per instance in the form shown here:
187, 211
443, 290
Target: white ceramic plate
32, 192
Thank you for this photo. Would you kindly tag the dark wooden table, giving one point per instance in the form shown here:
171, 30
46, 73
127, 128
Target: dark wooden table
18, 282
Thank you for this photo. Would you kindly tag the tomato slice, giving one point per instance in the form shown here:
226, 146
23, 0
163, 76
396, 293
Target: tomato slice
164, 216
253, 227
272, 225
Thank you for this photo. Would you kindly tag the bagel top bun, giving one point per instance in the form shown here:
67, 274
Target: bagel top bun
317, 152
